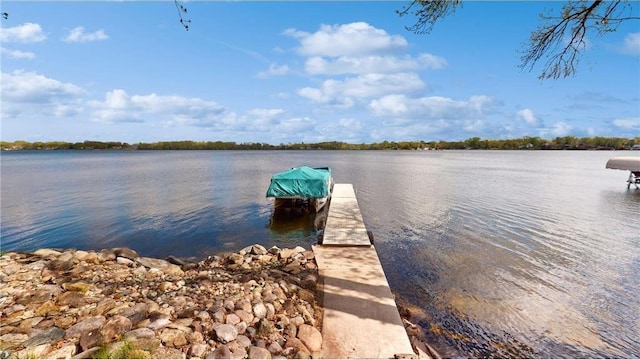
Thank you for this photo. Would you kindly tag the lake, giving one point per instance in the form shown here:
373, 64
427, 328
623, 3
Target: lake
510, 253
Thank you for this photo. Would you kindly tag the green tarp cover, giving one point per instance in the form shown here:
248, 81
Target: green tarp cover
304, 182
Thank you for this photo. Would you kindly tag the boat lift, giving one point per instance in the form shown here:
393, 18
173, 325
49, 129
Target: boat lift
629, 163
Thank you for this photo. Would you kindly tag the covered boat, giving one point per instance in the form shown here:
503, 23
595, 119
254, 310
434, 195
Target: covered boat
629, 163
301, 186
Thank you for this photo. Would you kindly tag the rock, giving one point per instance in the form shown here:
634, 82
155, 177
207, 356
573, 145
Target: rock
10, 341
81, 255
258, 250
271, 311
143, 338
58, 265
64, 352
245, 305
243, 341
70, 298
175, 261
168, 353
29, 323
293, 267
301, 354
244, 316
297, 344
259, 353
309, 281
45, 293
159, 323
89, 324
64, 322
65, 256
232, 319
297, 321
264, 328
195, 337
173, 338
197, 350
48, 336
48, 308
115, 327
87, 354
90, 340
125, 252
225, 332
306, 295
221, 352
310, 337
47, 252
141, 333
240, 305
125, 261
136, 313
241, 327
275, 348
236, 258
287, 253
79, 286
259, 310
106, 255
173, 270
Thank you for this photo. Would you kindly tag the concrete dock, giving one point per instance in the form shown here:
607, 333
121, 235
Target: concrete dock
360, 318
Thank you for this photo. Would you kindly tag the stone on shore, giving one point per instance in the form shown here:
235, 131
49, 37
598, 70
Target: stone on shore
255, 303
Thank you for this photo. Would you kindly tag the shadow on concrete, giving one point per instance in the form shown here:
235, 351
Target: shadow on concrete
372, 302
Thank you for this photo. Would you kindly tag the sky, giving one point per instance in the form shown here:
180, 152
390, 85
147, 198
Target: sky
301, 71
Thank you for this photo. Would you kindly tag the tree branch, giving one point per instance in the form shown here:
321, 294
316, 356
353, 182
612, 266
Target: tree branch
182, 10
578, 17
428, 13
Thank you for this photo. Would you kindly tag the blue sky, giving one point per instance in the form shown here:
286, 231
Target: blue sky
296, 71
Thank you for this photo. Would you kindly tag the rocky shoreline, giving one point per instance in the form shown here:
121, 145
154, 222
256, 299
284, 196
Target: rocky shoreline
256, 303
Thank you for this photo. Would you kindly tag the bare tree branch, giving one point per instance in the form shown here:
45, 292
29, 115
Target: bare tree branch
182, 10
563, 40
560, 40
428, 13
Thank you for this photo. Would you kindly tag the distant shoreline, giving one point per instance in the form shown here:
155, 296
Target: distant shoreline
524, 143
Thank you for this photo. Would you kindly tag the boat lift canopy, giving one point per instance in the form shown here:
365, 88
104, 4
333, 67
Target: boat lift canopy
301, 182
629, 163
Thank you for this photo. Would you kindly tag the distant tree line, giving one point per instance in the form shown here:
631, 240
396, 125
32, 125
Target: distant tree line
524, 143
63, 145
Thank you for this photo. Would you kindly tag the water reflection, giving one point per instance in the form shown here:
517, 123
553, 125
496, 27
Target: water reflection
507, 254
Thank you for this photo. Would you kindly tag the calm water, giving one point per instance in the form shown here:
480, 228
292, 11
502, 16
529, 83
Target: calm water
511, 254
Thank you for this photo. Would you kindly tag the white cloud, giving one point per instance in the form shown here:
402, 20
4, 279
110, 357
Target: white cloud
351, 124
431, 108
529, 117
17, 54
561, 129
627, 123
296, 125
263, 119
30, 87
354, 39
118, 106
25, 33
632, 44
372, 64
274, 70
78, 35
361, 87
28, 93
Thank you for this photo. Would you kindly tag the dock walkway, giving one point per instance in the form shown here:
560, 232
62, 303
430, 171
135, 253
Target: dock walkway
360, 318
